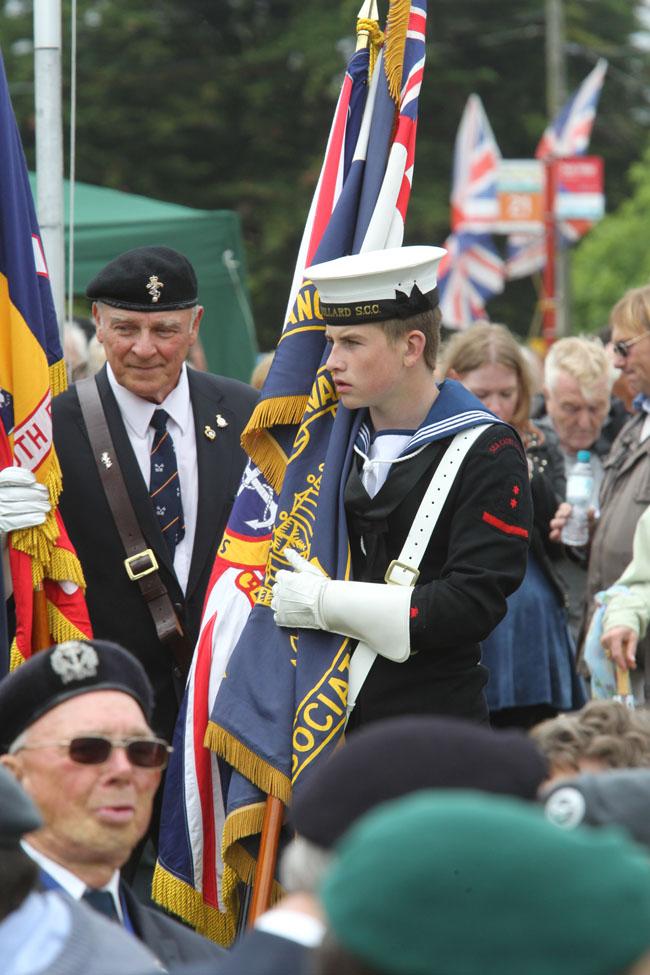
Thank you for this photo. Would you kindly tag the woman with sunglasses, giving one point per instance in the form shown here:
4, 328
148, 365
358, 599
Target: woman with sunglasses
530, 655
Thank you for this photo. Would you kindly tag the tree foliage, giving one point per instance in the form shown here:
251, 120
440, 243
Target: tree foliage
227, 103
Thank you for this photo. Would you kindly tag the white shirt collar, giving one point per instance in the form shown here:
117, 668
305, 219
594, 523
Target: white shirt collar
137, 412
69, 881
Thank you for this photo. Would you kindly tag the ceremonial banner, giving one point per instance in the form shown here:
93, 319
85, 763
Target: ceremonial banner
280, 700
469, 275
32, 370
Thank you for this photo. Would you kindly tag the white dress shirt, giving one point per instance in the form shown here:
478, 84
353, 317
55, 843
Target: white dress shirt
137, 413
72, 884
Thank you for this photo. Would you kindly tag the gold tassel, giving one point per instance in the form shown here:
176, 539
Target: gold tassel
259, 443
396, 29
375, 40
15, 656
61, 629
181, 899
58, 377
251, 766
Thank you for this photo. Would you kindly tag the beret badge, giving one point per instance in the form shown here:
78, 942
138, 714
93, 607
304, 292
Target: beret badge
154, 285
74, 661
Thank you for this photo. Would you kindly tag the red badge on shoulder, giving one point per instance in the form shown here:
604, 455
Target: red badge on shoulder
506, 510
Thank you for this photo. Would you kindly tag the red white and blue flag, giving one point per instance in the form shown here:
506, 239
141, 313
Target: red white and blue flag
474, 200
472, 272
250, 681
567, 135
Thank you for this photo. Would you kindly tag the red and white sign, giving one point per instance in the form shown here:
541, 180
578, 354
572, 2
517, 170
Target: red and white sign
579, 182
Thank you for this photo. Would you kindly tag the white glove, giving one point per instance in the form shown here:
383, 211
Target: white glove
23, 501
372, 612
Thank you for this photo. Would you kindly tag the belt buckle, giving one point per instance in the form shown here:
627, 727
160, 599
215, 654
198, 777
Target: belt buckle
396, 564
152, 567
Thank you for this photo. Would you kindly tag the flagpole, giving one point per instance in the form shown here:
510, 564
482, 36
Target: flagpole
274, 808
49, 143
550, 236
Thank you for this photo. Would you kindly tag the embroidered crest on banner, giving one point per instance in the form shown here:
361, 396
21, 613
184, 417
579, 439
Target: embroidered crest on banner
74, 661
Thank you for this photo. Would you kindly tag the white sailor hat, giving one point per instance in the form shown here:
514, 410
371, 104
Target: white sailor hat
377, 285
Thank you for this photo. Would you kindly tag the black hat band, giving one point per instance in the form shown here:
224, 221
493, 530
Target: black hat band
368, 312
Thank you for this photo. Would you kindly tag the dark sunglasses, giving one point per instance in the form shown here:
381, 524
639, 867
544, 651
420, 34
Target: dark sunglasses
623, 347
95, 749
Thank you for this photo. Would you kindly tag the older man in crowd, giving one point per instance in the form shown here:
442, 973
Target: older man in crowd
75, 730
578, 377
625, 491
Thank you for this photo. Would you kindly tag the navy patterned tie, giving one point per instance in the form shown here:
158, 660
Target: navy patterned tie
102, 901
164, 486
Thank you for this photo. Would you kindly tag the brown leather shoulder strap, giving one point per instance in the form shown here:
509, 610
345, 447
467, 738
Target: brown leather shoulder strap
140, 563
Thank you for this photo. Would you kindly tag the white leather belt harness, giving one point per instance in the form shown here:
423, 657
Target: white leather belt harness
405, 570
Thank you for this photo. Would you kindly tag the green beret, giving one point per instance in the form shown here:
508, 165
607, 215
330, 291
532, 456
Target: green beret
462, 883
146, 279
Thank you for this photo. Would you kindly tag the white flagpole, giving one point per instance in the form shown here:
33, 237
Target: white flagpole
49, 143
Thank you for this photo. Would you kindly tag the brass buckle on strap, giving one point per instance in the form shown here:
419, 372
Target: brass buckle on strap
395, 564
151, 566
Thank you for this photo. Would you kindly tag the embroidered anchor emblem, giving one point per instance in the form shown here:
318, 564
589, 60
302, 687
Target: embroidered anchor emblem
106, 459
153, 287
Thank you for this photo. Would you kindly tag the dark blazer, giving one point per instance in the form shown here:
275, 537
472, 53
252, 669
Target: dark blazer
117, 609
169, 940
258, 953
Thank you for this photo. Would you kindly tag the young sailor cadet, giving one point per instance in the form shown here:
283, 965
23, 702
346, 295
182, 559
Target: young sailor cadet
437, 500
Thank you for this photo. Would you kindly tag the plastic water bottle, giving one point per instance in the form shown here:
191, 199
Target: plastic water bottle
580, 484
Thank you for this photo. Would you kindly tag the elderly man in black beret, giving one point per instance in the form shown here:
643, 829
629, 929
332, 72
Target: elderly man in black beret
175, 439
75, 730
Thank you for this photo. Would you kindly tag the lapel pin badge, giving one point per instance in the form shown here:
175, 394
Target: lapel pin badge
106, 459
209, 432
221, 422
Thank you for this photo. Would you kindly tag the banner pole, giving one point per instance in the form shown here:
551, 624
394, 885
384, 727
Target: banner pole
267, 858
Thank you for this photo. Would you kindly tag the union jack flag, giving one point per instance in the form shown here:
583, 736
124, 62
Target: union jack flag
567, 135
469, 275
474, 201
214, 798
472, 272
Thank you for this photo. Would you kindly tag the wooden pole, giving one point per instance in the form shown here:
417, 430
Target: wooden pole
267, 858
41, 638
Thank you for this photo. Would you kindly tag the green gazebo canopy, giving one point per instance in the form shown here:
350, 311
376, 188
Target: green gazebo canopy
108, 222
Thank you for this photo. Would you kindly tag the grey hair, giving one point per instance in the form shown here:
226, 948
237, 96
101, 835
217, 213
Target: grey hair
19, 743
303, 866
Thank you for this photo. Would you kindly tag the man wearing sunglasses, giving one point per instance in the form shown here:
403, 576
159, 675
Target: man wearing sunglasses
625, 491
75, 731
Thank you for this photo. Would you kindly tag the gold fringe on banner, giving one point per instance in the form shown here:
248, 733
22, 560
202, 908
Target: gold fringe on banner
60, 627
373, 40
15, 656
179, 898
58, 377
396, 29
250, 765
259, 443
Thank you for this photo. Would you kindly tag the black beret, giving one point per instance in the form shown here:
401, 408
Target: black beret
64, 671
146, 279
18, 814
616, 797
401, 755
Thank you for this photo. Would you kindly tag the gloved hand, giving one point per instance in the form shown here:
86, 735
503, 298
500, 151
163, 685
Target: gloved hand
23, 501
374, 613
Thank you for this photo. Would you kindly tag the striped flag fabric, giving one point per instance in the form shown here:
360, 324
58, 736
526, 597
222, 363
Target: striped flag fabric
473, 271
32, 370
470, 274
252, 682
567, 135
474, 200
